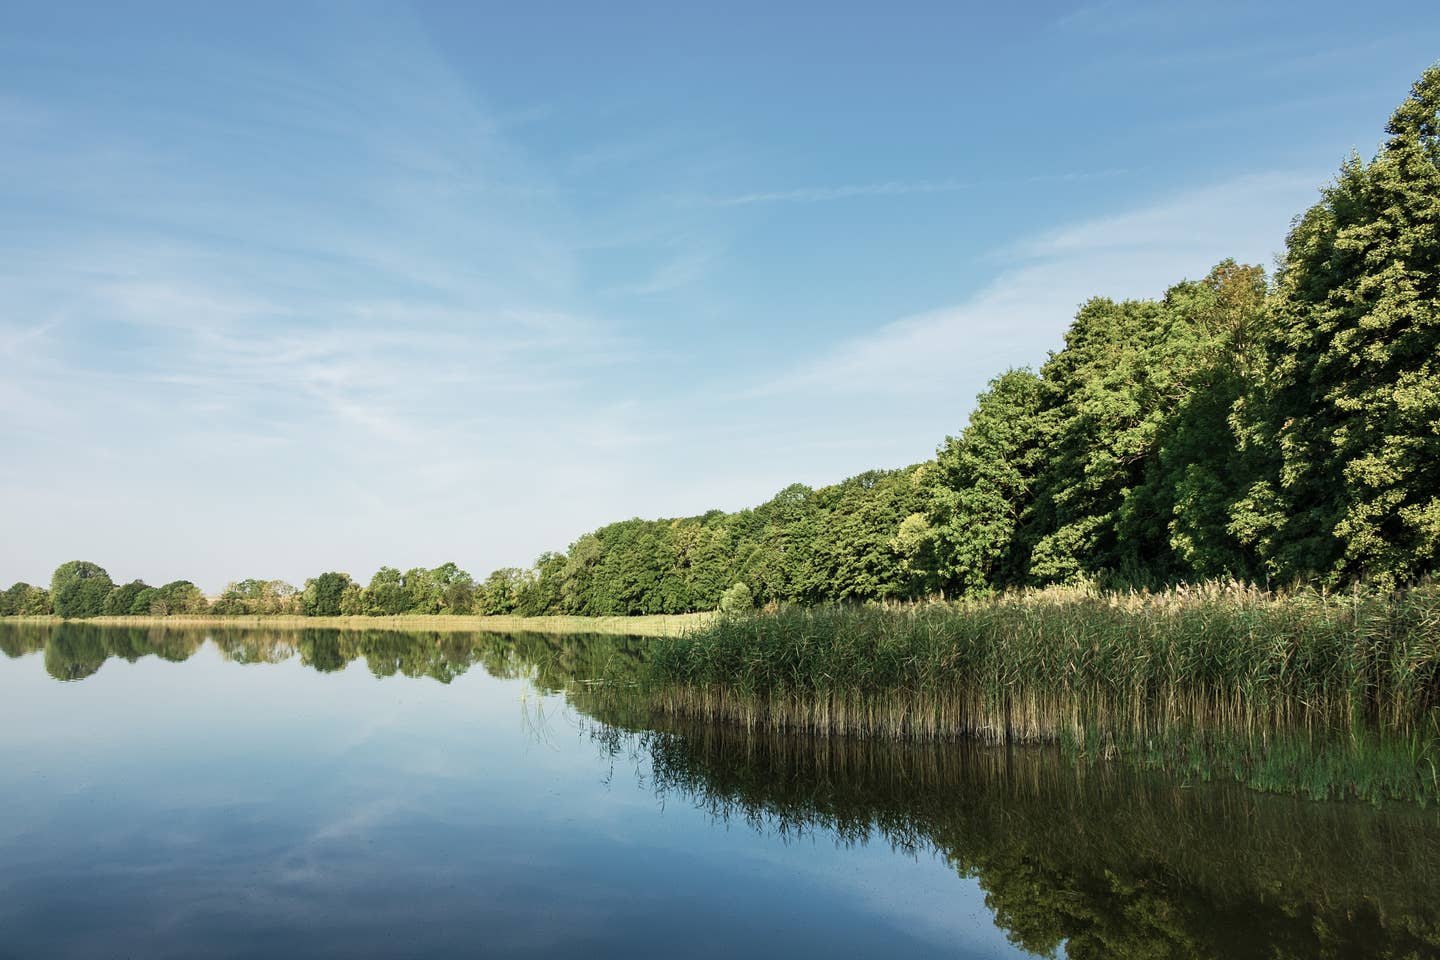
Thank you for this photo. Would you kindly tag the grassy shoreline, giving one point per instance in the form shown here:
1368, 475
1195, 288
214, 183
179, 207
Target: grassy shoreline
1323, 694
655, 625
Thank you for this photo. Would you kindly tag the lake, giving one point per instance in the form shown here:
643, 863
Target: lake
176, 792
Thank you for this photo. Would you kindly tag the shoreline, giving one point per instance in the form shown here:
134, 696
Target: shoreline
652, 625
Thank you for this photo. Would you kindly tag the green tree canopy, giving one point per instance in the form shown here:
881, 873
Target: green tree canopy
321, 597
79, 589
1349, 413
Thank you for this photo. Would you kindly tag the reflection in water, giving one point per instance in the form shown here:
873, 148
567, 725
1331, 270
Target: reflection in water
1110, 861
75, 651
1101, 860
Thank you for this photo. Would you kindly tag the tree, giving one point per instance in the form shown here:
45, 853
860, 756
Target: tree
498, 595
352, 600
1095, 431
1202, 468
738, 599
185, 597
985, 481
456, 588
321, 597
257, 597
176, 597
148, 602
578, 578
277, 596
459, 597
1349, 411
79, 588
424, 591
386, 595
122, 598
23, 600
541, 594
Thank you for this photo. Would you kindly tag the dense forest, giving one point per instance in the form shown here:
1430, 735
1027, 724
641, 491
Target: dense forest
1266, 429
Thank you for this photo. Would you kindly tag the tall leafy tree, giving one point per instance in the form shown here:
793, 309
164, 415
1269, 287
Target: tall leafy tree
322, 594
541, 594
386, 595
122, 598
1351, 407
79, 588
1202, 470
985, 478
1093, 429
24, 600
500, 594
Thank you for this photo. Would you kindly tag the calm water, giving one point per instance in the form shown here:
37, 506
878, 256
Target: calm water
315, 793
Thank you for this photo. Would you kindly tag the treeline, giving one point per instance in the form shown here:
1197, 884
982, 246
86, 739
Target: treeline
81, 589
1269, 430
1282, 429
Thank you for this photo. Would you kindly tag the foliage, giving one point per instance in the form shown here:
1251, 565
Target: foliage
79, 588
1350, 412
322, 594
122, 599
738, 599
23, 600
984, 486
257, 598
177, 597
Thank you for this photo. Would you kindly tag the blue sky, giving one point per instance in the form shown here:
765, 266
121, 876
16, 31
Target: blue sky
294, 287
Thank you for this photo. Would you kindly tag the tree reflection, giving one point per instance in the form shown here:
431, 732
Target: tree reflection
1109, 861
74, 651
553, 662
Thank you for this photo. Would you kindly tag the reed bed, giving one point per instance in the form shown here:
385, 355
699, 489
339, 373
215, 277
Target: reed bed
1100, 671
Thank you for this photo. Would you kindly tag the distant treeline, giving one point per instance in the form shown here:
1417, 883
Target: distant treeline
1262, 429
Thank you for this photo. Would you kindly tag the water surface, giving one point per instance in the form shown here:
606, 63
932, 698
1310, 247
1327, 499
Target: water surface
234, 793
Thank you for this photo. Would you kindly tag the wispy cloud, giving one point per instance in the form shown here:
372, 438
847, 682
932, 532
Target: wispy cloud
889, 188
895, 188
679, 271
346, 303
951, 352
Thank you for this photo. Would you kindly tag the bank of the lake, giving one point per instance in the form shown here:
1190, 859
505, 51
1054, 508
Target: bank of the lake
654, 625
1306, 692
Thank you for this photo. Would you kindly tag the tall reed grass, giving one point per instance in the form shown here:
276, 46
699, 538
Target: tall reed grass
1100, 671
